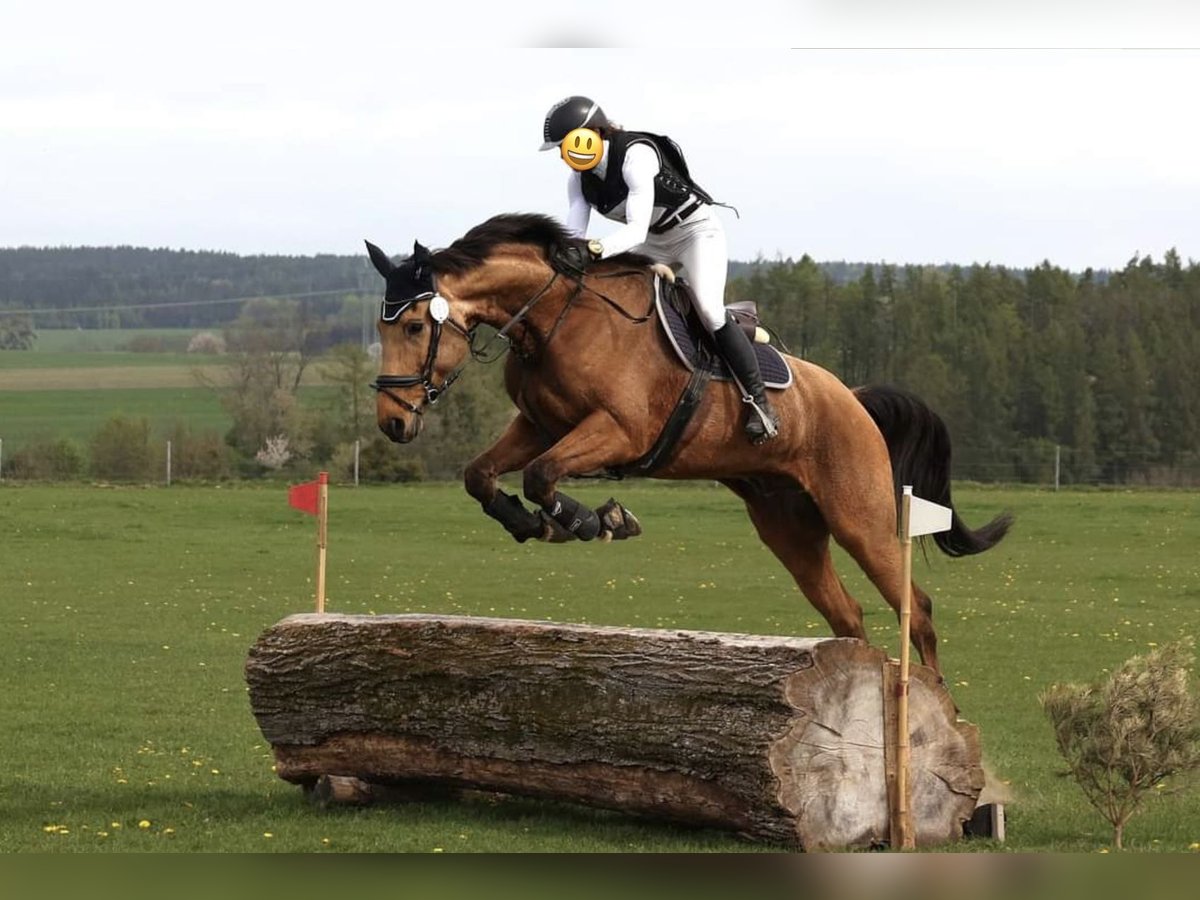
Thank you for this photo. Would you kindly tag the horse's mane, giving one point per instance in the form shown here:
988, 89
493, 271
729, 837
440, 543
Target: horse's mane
534, 229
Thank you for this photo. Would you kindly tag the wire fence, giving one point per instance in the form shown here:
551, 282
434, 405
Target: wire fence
1054, 467
1050, 465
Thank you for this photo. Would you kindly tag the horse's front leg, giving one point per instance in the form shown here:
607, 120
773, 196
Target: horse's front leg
596, 442
513, 450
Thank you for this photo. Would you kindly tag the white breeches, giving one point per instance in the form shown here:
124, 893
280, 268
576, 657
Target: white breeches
699, 246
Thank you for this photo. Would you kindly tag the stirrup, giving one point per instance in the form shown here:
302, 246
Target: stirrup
770, 423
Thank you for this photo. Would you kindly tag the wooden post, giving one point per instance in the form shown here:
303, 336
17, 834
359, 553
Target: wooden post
168, 463
904, 838
322, 535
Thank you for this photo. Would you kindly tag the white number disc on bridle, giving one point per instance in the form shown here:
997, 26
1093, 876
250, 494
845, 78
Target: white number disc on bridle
439, 309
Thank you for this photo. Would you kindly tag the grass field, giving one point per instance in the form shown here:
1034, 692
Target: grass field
131, 610
54, 391
90, 340
15, 361
77, 414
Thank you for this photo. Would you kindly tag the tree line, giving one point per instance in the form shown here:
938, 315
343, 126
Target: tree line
1097, 373
1103, 367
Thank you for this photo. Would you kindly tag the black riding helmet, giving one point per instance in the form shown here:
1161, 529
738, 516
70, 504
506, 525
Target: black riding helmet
567, 115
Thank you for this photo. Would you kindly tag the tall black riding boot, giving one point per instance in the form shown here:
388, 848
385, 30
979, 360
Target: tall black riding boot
762, 422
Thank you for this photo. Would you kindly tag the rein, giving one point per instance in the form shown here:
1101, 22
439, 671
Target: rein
433, 392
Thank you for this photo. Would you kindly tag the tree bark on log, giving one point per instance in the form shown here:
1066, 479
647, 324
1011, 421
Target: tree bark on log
778, 739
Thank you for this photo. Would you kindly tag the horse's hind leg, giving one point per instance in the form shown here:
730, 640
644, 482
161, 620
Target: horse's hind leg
790, 524
865, 525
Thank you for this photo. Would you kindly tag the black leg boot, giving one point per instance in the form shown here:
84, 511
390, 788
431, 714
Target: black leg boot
762, 422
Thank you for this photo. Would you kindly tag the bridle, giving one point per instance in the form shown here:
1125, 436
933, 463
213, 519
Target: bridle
439, 313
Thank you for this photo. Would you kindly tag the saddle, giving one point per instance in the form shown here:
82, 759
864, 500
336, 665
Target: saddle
692, 344
694, 347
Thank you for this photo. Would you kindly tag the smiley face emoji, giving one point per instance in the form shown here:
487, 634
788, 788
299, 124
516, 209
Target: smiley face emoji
581, 149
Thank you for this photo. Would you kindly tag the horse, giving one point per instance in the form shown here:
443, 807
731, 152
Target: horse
593, 380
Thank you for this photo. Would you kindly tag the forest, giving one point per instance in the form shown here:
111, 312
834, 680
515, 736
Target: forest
1041, 374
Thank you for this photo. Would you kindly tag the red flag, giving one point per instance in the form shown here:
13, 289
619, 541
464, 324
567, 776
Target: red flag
304, 496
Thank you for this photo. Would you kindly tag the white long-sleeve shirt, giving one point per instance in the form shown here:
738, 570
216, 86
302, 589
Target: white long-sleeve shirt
637, 212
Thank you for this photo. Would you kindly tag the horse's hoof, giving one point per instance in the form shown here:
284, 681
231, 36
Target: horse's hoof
617, 521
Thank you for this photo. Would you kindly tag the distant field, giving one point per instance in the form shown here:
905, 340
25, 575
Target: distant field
78, 413
57, 340
11, 360
74, 381
106, 378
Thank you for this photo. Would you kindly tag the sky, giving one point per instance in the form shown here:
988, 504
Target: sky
926, 131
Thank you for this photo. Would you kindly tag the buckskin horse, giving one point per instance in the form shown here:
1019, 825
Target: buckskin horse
594, 379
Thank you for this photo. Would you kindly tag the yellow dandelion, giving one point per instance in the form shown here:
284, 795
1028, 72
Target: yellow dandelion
268, 834
168, 831
144, 824
1194, 846
114, 824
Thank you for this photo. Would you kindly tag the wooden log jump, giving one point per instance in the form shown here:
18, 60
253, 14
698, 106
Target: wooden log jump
778, 739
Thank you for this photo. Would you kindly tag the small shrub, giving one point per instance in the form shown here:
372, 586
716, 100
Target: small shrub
46, 460
199, 454
147, 343
381, 460
1124, 736
121, 451
206, 342
275, 454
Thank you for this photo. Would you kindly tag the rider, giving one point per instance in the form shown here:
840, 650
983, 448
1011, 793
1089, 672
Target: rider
641, 179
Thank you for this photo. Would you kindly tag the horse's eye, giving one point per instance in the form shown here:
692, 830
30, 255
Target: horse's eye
412, 329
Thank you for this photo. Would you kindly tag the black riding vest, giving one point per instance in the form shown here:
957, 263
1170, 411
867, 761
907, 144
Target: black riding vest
672, 188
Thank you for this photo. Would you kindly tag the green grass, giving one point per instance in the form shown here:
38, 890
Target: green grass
59, 340
26, 416
98, 359
130, 612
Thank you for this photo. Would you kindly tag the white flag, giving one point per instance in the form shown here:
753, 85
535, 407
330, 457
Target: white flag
926, 517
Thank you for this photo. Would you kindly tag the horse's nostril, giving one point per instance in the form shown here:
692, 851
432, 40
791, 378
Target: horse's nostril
395, 429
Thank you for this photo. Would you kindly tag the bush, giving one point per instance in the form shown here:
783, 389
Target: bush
121, 451
147, 343
1126, 735
378, 460
199, 454
46, 460
206, 342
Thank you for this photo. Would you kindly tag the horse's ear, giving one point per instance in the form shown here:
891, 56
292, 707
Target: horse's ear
421, 253
383, 265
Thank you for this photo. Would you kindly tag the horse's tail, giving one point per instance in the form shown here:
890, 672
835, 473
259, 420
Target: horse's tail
919, 446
